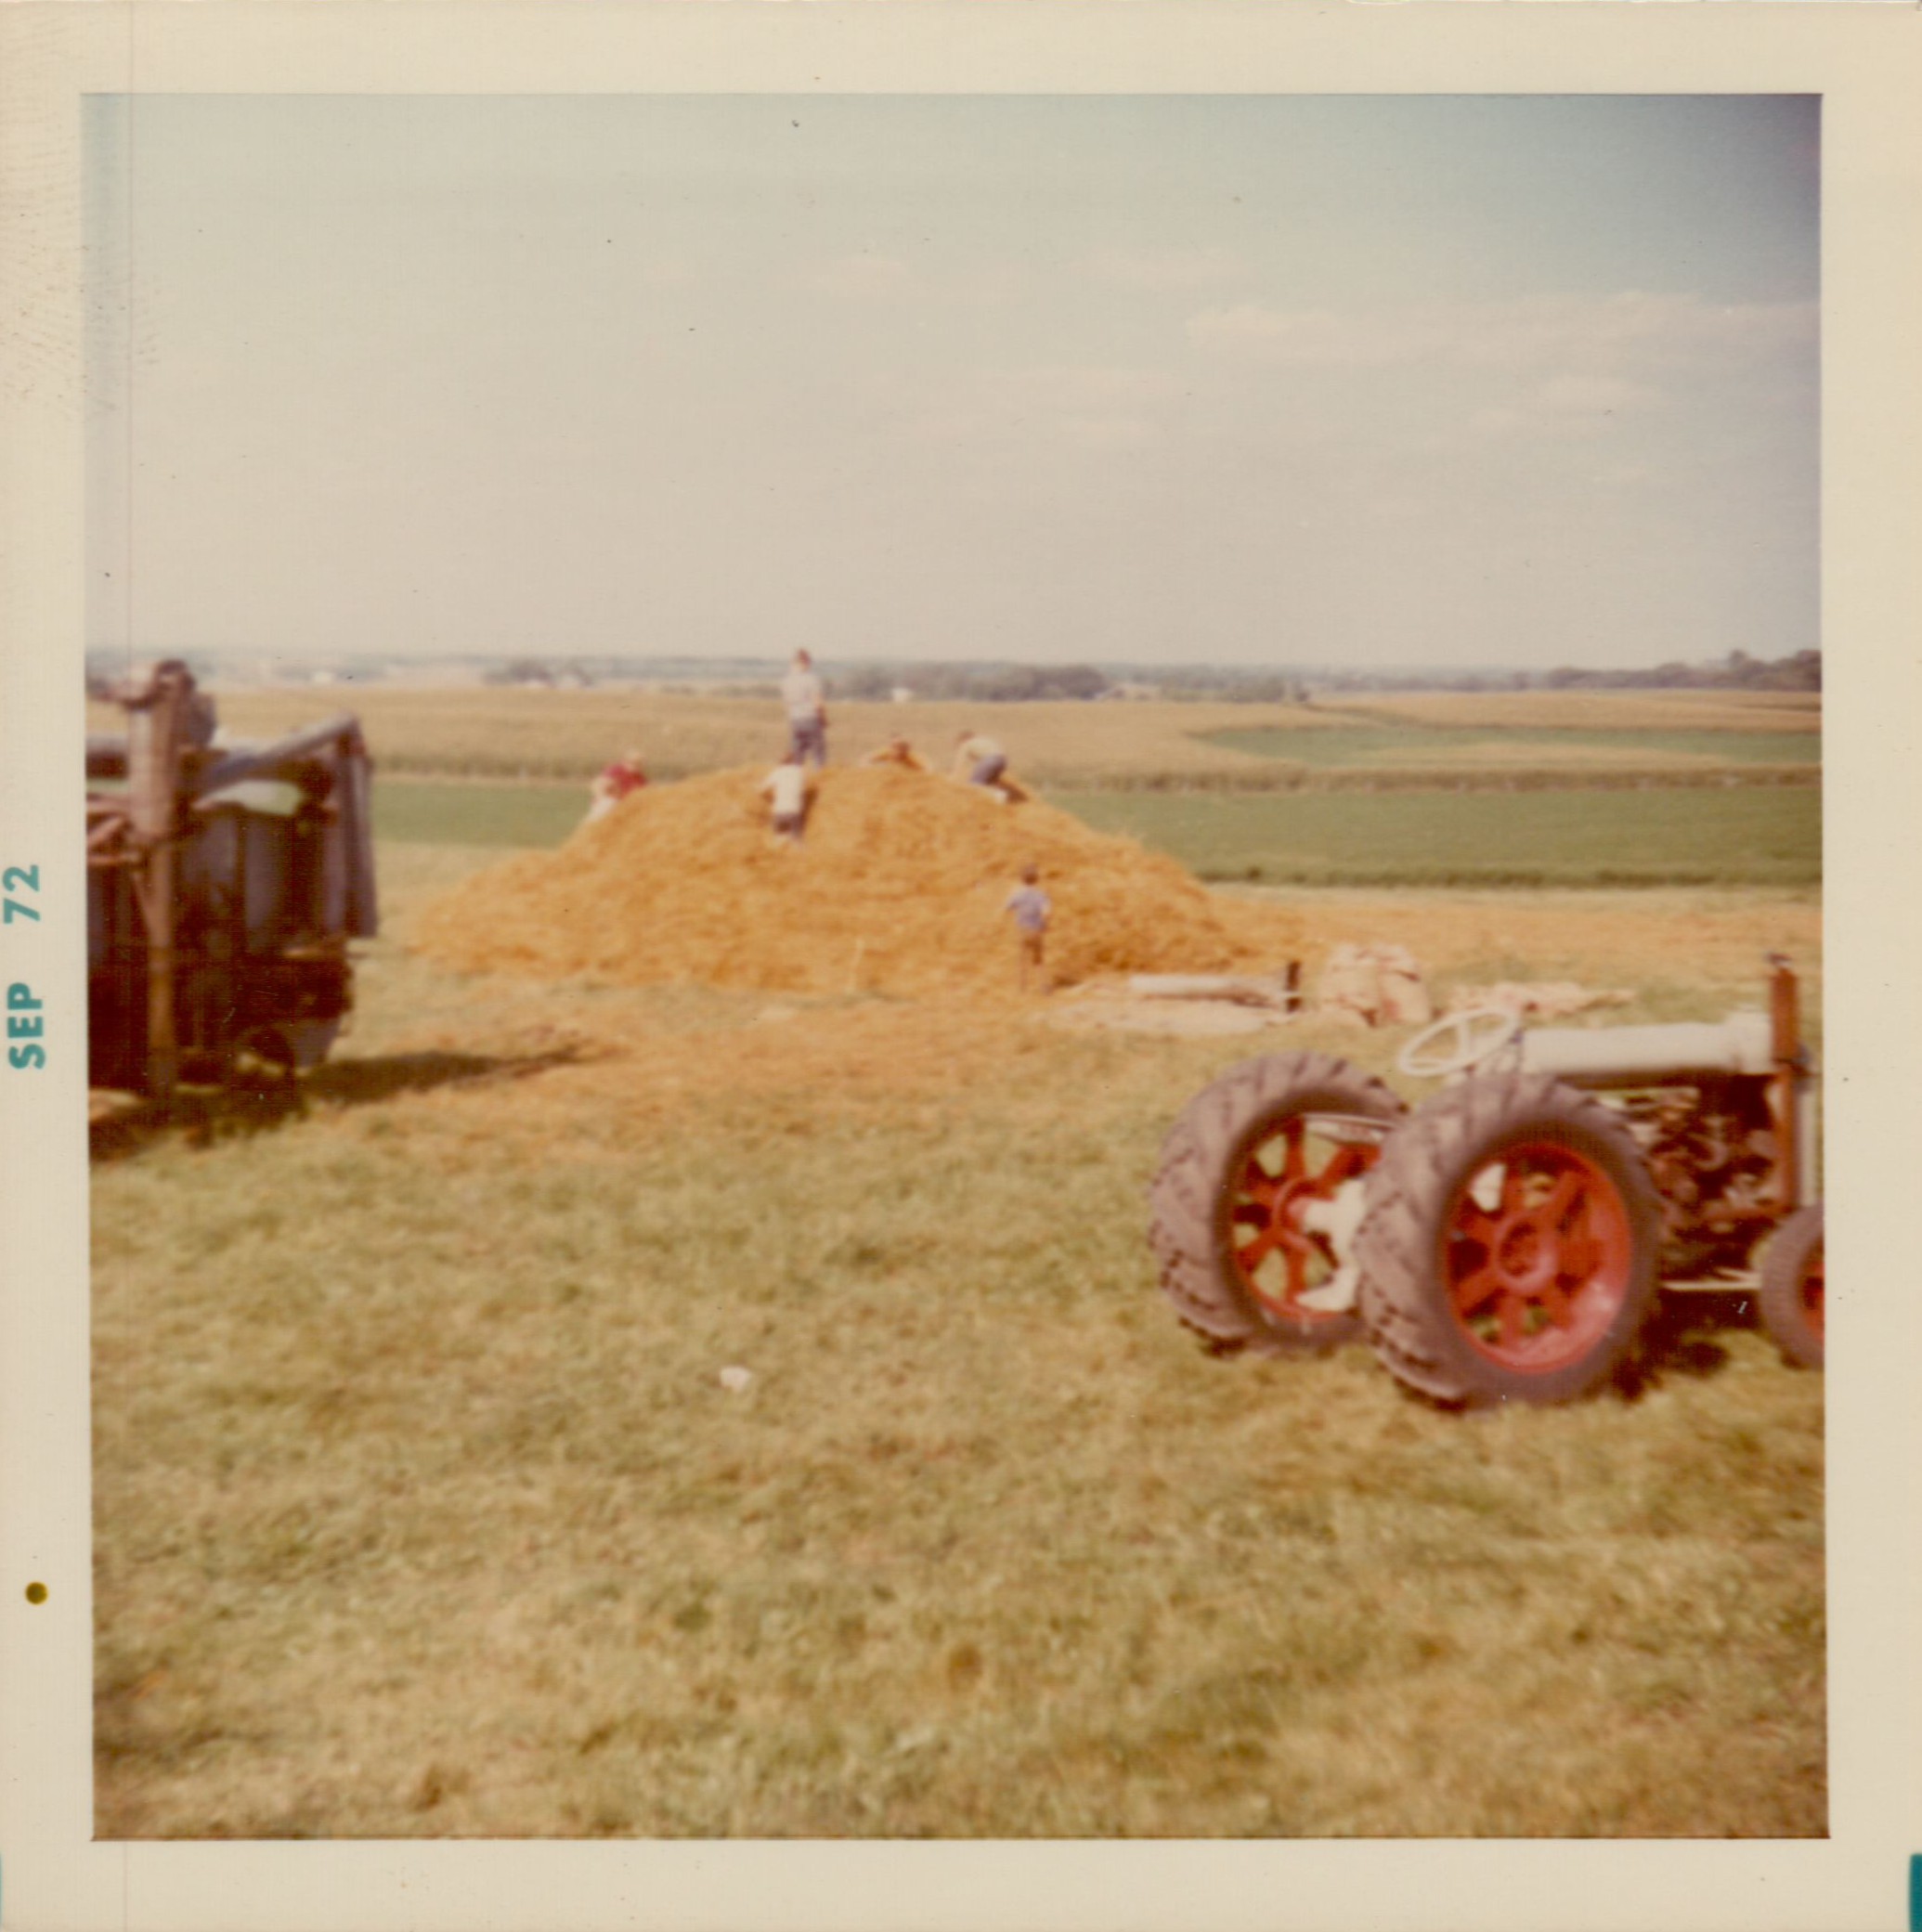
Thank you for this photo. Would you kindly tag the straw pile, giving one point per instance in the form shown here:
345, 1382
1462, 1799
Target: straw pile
901, 888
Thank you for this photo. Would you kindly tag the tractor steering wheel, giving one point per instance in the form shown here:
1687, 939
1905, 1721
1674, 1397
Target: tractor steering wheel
1458, 1042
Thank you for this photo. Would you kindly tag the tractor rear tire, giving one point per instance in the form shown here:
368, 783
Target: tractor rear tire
1791, 1300
1510, 1247
1241, 1158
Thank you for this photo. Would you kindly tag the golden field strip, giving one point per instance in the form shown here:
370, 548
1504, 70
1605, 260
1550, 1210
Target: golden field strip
482, 731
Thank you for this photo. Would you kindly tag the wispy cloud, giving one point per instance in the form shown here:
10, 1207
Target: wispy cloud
1084, 406
879, 280
861, 278
1081, 386
1630, 331
1592, 395
1564, 407
1175, 270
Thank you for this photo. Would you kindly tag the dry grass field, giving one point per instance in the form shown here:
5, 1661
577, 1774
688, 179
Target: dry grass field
479, 731
421, 1507
482, 731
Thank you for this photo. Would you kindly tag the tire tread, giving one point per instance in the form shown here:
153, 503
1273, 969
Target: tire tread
1401, 1302
1779, 1295
1194, 1166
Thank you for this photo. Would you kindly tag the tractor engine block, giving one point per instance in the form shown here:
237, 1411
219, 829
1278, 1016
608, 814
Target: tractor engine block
1711, 1149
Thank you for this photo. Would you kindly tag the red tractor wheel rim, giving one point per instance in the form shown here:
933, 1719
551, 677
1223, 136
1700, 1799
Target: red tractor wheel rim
1276, 1257
1537, 1256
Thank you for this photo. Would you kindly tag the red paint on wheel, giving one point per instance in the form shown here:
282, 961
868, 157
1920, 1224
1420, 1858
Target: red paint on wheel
1536, 1280
1280, 1178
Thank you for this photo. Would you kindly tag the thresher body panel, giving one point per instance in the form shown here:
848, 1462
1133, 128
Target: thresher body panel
272, 875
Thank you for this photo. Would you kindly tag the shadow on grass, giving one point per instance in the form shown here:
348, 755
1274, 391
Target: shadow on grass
1677, 1343
203, 1114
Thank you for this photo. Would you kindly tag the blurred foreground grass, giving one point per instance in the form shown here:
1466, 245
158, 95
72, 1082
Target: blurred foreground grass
421, 1508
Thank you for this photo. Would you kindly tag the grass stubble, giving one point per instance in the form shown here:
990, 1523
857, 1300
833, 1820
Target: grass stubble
421, 1508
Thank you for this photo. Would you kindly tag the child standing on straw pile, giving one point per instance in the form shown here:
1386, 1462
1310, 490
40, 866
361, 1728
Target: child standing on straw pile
1031, 907
806, 704
786, 787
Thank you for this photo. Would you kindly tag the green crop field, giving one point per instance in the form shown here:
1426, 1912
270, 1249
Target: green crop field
1668, 836
423, 1509
413, 813
1671, 836
1574, 749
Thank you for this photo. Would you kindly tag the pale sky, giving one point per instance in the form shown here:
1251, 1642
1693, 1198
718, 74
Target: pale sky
1279, 380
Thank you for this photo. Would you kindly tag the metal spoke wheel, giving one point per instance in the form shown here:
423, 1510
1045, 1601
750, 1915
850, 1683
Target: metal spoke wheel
1510, 1247
1257, 1197
1538, 1275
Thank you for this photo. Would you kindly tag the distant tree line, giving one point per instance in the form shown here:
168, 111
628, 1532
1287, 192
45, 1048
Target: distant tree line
1737, 671
553, 672
1027, 684
1236, 684
971, 683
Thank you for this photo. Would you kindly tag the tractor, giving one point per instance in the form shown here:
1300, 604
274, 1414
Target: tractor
1506, 1239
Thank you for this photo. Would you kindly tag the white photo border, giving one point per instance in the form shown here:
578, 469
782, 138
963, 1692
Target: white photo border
1866, 63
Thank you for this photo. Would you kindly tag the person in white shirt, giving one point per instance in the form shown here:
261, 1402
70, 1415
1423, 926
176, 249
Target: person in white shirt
806, 704
786, 787
979, 759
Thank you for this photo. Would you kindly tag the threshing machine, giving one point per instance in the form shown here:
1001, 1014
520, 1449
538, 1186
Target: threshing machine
222, 887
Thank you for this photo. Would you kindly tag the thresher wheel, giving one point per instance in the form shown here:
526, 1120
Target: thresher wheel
1791, 1296
1244, 1158
1510, 1247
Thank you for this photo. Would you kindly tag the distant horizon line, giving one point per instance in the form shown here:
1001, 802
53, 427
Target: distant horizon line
612, 663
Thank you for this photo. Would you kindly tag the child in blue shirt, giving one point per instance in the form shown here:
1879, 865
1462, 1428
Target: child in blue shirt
1031, 907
